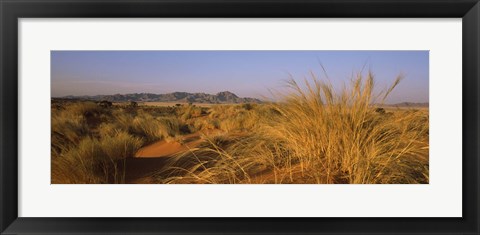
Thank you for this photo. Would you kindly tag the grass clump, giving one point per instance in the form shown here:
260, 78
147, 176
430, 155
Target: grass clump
315, 134
90, 144
96, 160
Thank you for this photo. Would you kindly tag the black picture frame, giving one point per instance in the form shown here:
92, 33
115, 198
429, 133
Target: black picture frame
12, 10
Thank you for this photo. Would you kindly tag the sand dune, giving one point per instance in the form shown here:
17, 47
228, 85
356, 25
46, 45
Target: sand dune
163, 148
153, 158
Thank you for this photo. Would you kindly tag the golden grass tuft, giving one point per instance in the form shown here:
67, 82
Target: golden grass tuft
315, 135
96, 160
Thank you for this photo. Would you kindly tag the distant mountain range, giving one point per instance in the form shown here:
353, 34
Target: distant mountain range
224, 97
408, 104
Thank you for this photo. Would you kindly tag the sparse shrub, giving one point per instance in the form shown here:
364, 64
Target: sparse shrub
105, 104
380, 110
84, 109
133, 104
248, 106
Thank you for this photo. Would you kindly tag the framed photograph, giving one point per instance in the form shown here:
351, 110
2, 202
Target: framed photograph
239, 117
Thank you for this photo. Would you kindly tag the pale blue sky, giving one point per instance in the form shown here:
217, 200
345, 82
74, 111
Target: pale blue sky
245, 73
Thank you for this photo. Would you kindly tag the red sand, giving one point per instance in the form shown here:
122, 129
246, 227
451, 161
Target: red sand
153, 158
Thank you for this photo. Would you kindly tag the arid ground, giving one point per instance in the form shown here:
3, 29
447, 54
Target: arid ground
312, 134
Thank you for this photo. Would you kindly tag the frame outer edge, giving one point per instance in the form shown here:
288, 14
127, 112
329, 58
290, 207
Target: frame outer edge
477, 60
2, 178
3, 221
471, 102
476, 67
8, 115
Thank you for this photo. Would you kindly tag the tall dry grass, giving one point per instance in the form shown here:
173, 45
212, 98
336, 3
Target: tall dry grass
90, 144
95, 160
315, 134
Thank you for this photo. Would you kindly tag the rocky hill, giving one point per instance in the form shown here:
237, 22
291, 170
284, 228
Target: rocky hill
223, 97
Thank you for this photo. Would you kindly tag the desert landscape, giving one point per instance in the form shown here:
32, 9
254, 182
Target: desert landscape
311, 132
314, 136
